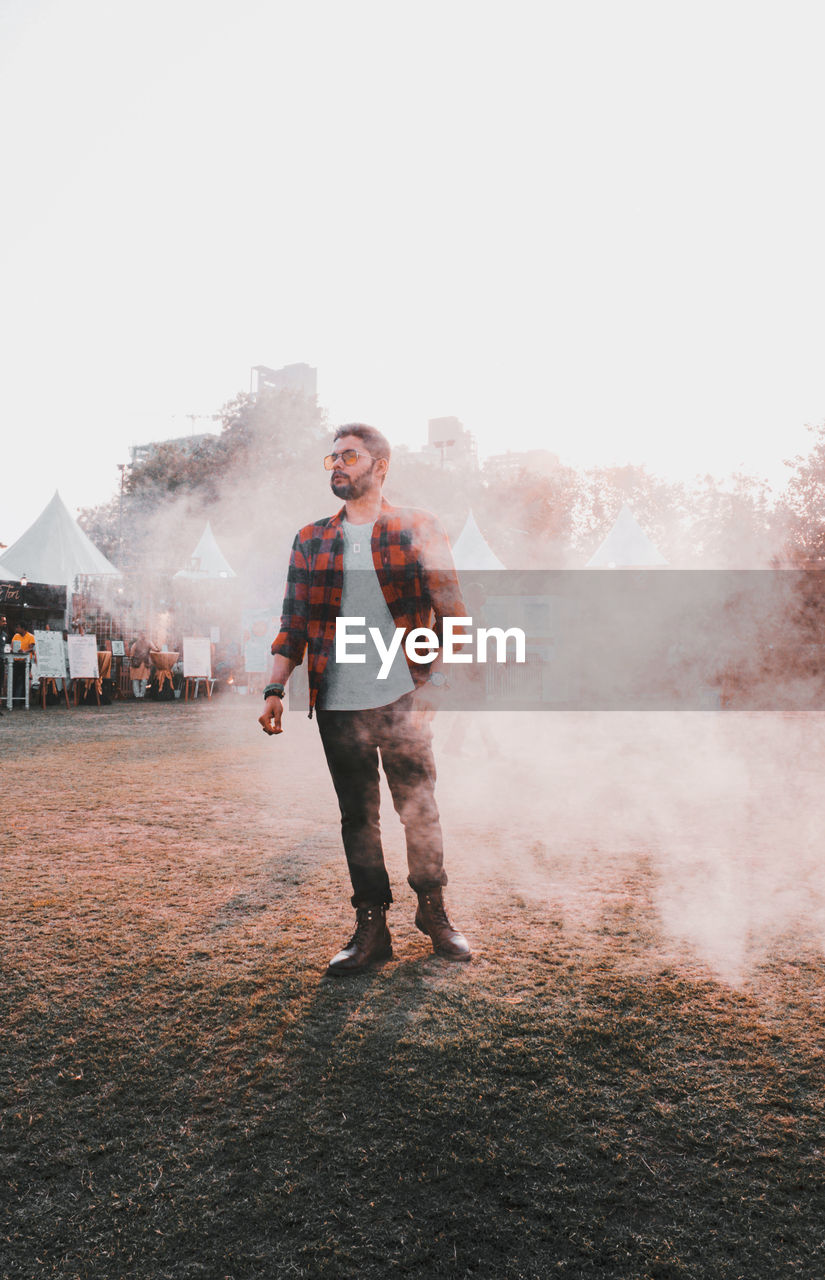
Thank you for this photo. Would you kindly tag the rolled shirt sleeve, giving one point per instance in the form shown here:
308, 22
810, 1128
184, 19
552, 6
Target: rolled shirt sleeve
291, 640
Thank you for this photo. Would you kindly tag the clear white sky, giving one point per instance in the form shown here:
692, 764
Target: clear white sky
594, 226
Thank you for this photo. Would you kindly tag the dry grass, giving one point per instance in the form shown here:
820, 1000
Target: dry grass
184, 1095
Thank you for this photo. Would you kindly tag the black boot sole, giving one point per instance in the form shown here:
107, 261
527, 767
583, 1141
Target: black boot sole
375, 963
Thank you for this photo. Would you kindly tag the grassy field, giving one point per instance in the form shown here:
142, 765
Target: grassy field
628, 1080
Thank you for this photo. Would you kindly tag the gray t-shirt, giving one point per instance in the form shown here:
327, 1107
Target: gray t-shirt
354, 686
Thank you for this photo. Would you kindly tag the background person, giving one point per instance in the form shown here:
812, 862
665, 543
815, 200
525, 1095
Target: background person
22, 643
5, 639
140, 664
23, 640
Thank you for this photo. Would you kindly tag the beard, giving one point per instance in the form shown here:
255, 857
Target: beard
348, 487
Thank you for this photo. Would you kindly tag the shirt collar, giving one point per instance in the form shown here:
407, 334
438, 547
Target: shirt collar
386, 510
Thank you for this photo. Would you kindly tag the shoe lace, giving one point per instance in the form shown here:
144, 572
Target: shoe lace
364, 918
437, 910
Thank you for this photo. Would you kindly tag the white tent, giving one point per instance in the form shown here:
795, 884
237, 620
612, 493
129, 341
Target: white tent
56, 550
208, 561
471, 551
626, 547
6, 575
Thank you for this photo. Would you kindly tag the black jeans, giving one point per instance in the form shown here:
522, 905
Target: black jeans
352, 740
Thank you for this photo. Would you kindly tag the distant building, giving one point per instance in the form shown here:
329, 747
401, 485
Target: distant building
449, 442
292, 377
184, 444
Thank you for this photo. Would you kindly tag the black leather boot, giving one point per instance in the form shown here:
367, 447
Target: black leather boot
370, 944
431, 918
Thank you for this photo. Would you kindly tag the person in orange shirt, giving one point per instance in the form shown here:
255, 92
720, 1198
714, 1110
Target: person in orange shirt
5, 639
22, 642
140, 664
25, 637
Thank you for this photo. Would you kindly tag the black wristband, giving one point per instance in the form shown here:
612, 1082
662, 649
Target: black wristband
274, 691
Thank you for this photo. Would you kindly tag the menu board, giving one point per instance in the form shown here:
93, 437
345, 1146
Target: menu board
256, 654
51, 656
83, 657
197, 657
258, 626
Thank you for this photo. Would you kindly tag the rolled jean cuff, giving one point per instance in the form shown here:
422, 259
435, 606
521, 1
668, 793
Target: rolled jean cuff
364, 900
427, 886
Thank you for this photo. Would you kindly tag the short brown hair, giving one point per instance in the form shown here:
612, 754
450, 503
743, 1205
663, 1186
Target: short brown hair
377, 444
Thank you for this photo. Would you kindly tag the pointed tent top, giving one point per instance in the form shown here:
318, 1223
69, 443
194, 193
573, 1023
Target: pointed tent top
471, 551
56, 550
626, 547
208, 561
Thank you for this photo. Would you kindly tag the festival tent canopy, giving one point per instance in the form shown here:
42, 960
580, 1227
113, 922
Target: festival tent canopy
626, 547
208, 561
56, 550
6, 575
471, 551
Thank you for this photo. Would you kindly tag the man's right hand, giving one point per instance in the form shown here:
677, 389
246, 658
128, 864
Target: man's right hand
270, 721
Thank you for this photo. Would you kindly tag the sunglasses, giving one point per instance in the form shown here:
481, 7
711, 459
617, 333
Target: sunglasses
349, 458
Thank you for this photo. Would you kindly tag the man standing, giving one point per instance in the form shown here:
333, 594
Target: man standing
392, 568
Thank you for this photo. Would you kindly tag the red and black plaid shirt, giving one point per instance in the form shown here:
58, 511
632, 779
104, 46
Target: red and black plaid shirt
415, 568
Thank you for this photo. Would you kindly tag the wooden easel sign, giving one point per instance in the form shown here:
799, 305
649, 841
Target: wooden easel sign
83, 663
51, 663
197, 664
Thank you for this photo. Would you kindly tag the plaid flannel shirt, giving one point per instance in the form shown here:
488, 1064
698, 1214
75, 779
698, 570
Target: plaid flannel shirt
415, 569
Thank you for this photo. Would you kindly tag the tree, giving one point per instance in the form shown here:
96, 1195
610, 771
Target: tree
803, 506
529, 512
102, 524
659, 506
732, 524
250, 480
